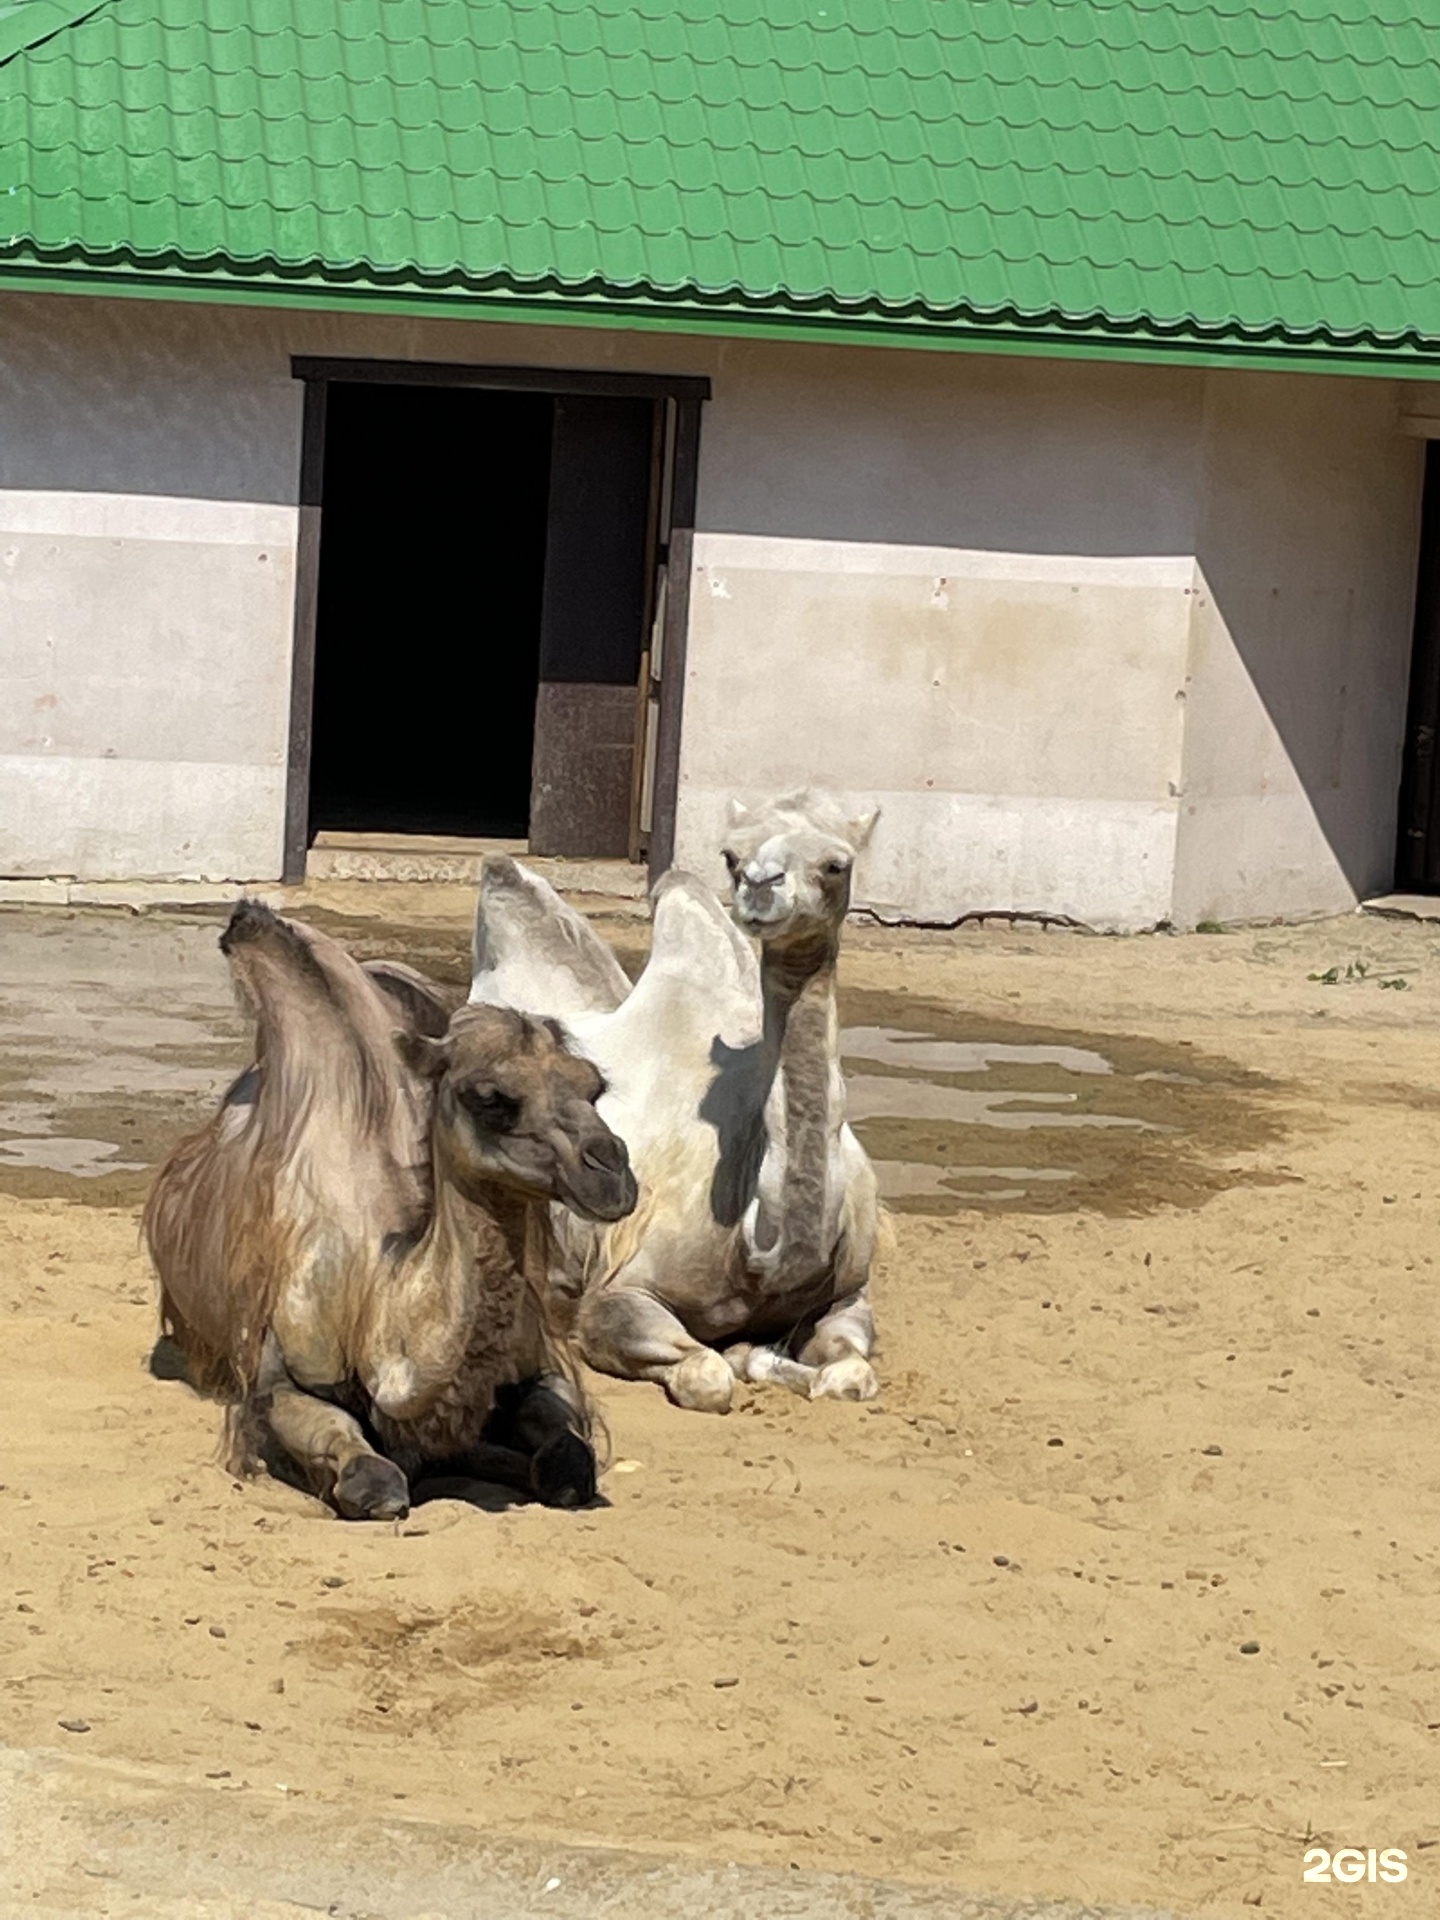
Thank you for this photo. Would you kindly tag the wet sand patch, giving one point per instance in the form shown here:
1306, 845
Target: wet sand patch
962, 1111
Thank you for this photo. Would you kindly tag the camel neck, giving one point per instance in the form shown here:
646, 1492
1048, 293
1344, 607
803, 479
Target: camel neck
801, 1032
792, 968
453, 1309
468, 1236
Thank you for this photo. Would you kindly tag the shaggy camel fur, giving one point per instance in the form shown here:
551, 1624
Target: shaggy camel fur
353, 1250
751, 1251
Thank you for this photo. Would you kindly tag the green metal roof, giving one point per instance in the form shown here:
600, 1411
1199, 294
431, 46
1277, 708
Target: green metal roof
1247, 176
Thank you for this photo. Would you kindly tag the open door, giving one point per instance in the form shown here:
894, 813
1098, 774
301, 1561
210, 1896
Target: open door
599, 573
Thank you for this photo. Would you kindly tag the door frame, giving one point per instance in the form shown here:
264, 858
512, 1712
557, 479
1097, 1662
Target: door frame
681, 397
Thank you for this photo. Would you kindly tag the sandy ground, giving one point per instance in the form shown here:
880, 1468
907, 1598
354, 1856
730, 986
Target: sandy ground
1159, 1385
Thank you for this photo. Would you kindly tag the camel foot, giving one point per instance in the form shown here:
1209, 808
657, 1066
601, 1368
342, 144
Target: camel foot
702, 1382
849, 1379
763, 1366
562, 1472
370, 1488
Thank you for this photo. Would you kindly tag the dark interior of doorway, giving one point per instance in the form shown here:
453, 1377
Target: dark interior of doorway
1417, 854
432, 565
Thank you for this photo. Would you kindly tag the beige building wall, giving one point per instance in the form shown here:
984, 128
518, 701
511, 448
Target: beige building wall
143, 721
147, 585
1014, 715
1150, 665
1307, 548
1122, 643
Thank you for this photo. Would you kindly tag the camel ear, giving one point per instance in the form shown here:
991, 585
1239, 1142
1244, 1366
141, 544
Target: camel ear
736, 815
423, 1055
859, 830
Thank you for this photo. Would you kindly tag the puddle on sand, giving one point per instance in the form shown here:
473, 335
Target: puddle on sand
117, 1033
961, 1113
62, 1153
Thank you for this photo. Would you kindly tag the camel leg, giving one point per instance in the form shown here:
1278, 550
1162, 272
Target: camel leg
333, 1453
839, 1349
628, 1332
540, 1419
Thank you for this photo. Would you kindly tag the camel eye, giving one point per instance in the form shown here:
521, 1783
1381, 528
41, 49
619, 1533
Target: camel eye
732, 861
835, 868
491, 1110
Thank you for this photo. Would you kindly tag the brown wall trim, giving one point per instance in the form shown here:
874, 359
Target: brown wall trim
445, 373
679, 561
302, 671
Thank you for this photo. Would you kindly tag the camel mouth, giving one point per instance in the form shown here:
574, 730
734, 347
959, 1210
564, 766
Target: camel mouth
603, 1198
761, 920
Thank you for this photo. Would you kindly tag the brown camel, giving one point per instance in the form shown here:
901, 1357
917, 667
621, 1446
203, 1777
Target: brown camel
353, 1251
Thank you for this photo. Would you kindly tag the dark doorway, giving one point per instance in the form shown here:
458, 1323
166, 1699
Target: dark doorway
1417, 859
431, 586
491, 605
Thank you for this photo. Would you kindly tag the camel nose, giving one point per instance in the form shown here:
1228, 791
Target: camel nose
605, 1153
763, 877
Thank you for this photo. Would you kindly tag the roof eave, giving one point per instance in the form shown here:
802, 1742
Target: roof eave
1141, 342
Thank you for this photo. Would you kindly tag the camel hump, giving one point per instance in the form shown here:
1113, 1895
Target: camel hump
252, 920
284, 963
423, 1003
534, 952
326, 1029
274, 958
695, 936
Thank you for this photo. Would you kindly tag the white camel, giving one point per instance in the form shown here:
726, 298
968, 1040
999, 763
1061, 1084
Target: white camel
750, 1253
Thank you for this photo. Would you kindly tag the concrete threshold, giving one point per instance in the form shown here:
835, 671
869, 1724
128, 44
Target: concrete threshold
1403, 906
87, 1837
445, 858
138, 894
611, 887
334, 841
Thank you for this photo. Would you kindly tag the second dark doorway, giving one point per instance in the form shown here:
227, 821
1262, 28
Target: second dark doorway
432, 571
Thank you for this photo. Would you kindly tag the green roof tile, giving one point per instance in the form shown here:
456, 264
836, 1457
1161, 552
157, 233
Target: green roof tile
1229, 172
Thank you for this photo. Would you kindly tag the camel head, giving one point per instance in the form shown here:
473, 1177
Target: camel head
790, 864
515, 1107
